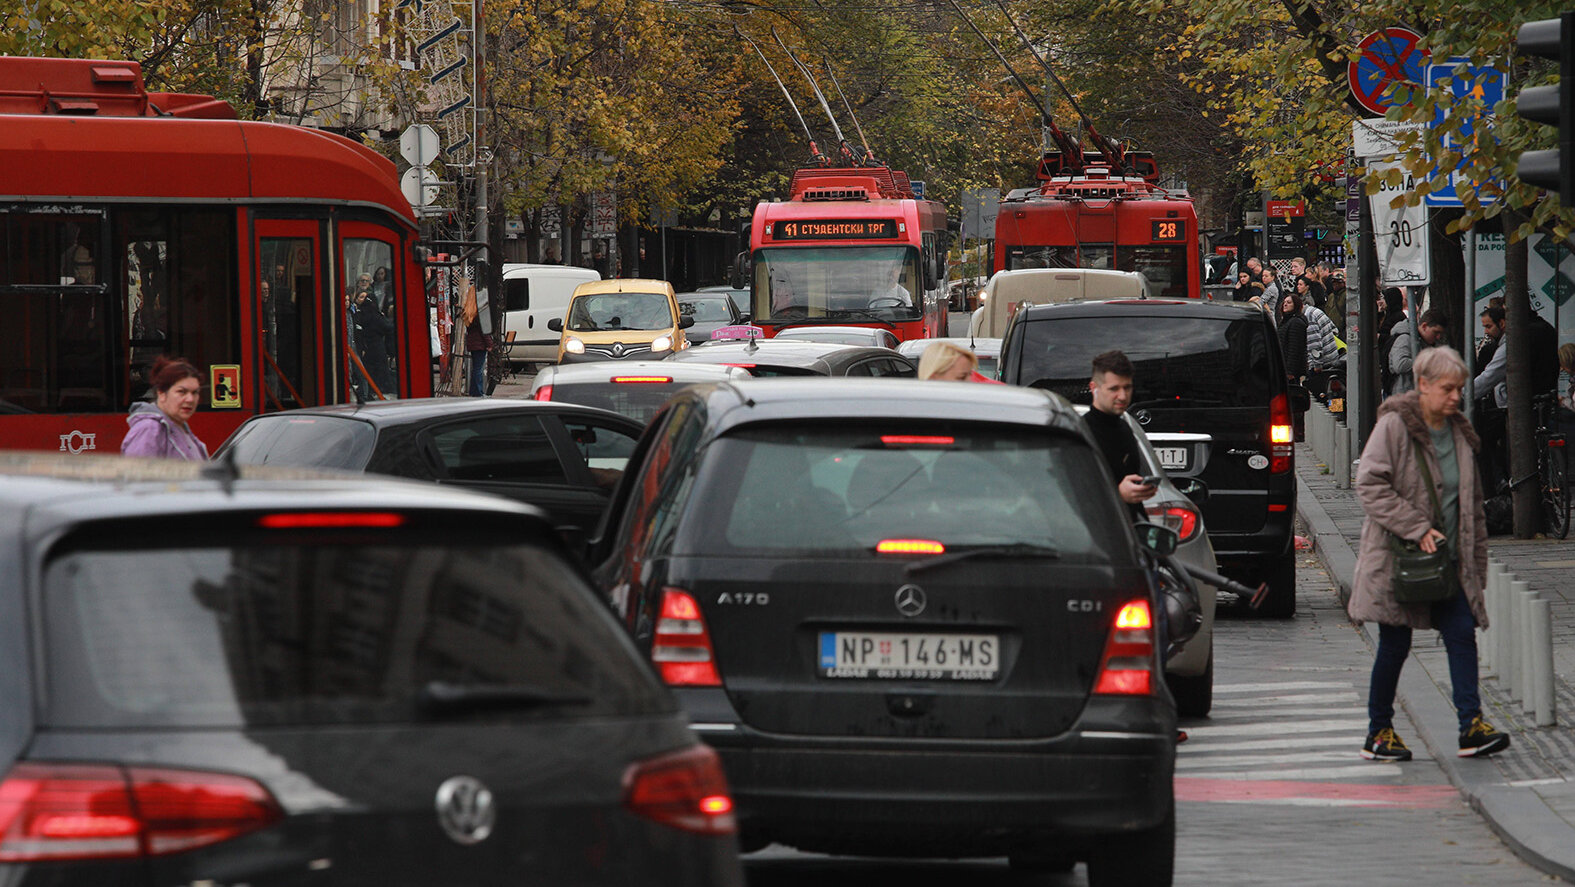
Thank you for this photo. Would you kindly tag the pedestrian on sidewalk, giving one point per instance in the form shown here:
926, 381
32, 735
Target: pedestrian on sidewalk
1423, 424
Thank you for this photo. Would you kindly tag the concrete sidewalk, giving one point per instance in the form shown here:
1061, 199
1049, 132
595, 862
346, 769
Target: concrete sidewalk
1527, 793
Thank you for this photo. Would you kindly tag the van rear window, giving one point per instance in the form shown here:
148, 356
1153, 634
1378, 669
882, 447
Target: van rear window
255, 634
1180, 361
835, 488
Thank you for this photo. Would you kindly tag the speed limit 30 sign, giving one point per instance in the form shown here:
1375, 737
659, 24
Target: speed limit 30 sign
1399, 232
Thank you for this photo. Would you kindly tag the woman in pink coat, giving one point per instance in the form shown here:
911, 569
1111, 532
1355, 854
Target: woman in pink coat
1424, 423
160, 429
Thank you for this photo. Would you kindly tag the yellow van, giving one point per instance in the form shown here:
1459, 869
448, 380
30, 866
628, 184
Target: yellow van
629, 319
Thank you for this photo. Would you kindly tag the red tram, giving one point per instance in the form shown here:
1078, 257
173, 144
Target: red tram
136, 223
850, 246
1091, 215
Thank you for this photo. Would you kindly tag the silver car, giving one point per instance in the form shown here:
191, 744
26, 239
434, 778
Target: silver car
1190, 673
987, 350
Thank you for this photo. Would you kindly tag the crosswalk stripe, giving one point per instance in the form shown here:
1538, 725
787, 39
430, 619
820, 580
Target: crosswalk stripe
1205, 762
1305, 698
1197, 746
1327, 725
1282, 685
1361, 770
1244, 714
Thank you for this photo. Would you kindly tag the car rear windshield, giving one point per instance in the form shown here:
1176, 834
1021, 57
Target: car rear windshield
304, 442
637, 400
832, 488
259, 633
1180, 361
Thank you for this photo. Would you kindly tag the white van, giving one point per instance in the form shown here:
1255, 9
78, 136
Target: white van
533, 295
1041, 286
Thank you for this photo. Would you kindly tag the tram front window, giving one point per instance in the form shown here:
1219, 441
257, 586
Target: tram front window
838, 284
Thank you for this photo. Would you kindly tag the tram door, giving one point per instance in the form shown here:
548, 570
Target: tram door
289, 311
371, 343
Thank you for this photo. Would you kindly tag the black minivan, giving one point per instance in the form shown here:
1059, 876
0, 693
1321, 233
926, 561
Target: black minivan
1212, 395
264, 677
913, 618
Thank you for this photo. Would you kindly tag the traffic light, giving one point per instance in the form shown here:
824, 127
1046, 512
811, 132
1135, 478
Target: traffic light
1552, 38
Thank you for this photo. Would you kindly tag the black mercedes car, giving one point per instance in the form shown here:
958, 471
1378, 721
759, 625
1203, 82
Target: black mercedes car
796, 357
913, 618
1210, 392
561, 457
242, 675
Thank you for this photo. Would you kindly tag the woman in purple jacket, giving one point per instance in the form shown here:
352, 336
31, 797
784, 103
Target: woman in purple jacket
160, 429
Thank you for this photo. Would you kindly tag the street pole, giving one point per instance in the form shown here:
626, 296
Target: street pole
1469, 313
1367, 304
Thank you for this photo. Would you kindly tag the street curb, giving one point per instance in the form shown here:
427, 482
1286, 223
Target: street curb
1519, 816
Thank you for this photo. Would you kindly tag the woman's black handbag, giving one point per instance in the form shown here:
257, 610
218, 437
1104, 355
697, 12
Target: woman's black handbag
1421, 577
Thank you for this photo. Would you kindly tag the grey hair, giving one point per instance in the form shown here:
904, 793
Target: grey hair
1438, 363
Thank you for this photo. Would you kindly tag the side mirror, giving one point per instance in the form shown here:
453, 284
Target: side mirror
740, 271
1300, 399
743, 318
1192, 488
555, 324
1157, 539
574, 539
686, 321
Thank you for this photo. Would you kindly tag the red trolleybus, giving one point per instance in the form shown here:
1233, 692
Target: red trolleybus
1097, 218
136, 223
853, 247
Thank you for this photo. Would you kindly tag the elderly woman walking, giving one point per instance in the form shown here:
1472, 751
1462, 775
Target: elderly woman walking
1418, 482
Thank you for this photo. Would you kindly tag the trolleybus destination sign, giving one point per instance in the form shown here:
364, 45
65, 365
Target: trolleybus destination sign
836, 229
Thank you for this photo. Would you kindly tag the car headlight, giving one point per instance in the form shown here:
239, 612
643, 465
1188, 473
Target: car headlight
573, 346
661, 343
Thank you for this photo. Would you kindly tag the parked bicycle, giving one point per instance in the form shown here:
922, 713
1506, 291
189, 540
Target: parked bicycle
1551, 466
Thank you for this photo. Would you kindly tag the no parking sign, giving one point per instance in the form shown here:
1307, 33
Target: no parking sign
1388, 56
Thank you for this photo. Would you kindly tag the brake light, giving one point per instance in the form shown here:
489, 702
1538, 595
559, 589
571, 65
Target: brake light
910, 546
102, 811
544, 393
685, 789
745, 366
1282, 434
682, 648
642, 378
917, 440
1180, 518
1127, 667
329, 519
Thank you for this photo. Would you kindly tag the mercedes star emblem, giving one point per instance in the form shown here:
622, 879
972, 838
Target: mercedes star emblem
465, 809
910, 600
1143, 417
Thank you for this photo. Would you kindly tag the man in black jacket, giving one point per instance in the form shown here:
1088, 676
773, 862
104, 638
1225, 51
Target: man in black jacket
1111, 386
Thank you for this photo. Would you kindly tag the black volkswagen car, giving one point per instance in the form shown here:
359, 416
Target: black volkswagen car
913, 618
1212, 395
797, 357
561, 457
222, 675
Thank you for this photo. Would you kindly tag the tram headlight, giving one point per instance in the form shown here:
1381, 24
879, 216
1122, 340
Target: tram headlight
573, 346
661, 343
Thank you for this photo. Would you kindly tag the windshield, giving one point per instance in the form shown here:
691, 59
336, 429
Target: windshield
707, 310
1091, 255
836, 488
599, 312
838, 284
1180, 361
1164, 266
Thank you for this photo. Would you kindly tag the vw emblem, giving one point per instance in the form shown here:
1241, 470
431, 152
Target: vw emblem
617, 349
1143, 417
910, 600
465, 809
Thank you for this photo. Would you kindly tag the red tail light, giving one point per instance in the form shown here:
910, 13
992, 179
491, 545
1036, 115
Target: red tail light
544, 393
1180, 518
330, 520
642, 378
917, 440
684, 789
101, 811
1282, 434
1127, 668
682, 646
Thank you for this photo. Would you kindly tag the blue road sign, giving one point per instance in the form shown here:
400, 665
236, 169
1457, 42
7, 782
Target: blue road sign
1483, 83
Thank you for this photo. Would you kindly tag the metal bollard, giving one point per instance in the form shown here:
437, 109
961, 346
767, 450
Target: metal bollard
1489, 638
1528, 664
1541, 644
1514, 661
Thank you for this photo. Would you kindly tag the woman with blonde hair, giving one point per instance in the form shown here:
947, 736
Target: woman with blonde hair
947, 362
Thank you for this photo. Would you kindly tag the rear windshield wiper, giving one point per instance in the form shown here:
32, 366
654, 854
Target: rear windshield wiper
1185, 400
1019, 549
441, 697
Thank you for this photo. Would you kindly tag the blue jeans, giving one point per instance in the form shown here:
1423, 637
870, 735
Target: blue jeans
1455, 621
478, 374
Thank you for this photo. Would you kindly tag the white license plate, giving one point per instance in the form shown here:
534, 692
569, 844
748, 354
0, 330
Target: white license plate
1171, 457
911, 656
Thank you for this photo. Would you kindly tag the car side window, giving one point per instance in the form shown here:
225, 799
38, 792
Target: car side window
862, 368
650, 502
498, 448
605, 449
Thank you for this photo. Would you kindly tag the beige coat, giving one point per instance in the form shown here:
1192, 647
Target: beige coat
1395, 500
